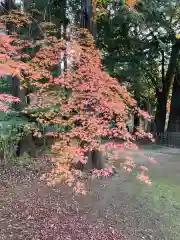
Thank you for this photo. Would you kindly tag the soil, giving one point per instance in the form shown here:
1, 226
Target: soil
117, 207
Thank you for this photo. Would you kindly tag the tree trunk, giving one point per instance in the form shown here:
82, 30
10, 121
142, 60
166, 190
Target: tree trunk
26, 145
136, 122
162, 96
8, 5
95, 161
136, 115
87, 17
95, 158
160, 116
65, 25
16, 92
175, 105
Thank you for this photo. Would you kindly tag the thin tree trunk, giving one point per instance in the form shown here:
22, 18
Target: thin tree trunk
65, 32
136, 115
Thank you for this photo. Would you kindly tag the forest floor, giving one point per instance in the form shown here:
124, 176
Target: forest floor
117, 207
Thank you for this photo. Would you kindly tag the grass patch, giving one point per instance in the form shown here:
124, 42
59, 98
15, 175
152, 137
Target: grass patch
164, 200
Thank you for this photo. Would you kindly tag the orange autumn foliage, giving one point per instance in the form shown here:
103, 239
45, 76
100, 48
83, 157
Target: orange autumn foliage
86, 98
131, 3
100, 7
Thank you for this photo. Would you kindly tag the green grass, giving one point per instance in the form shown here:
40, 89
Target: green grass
164, 200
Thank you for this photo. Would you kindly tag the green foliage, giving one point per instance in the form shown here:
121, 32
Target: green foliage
132, 43
5, 85
12, 127
9, 139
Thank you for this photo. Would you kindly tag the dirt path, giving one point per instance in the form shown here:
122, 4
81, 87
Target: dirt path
29, 210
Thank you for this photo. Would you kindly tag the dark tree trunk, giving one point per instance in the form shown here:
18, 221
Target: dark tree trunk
86, 14
175, 105
16, 91
160, 117
95, 161
136, 122
162, 96
8, 5
87, 17
26, 144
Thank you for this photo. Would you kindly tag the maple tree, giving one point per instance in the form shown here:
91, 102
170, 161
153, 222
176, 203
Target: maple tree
82, 102
7, 67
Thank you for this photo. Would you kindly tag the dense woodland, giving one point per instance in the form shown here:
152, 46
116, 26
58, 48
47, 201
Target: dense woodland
73, 72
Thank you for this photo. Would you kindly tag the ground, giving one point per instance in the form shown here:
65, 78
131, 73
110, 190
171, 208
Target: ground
118, 207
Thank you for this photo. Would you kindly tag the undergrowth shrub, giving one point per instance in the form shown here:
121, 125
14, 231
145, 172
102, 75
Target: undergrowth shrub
13, 128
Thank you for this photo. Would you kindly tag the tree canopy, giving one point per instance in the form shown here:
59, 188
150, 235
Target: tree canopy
80, 100
90, 65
